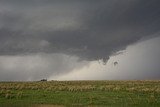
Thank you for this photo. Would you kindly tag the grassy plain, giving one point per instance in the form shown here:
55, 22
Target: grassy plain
80, 93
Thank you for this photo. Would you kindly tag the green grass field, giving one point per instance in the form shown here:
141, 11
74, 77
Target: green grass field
80, 93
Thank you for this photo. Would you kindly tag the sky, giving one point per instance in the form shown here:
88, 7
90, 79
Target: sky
79, 40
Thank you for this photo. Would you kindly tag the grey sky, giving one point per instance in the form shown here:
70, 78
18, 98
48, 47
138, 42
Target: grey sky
54, 32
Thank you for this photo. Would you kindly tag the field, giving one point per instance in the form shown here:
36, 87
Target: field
80, 93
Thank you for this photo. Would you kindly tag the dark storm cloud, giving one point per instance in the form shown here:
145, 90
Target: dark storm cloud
89, 29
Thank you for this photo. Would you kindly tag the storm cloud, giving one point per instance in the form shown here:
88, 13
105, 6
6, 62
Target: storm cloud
86, 29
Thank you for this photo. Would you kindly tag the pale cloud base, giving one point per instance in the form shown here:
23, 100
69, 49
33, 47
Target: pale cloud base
139, 61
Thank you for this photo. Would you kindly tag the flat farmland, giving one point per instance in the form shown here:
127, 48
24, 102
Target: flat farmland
80, 93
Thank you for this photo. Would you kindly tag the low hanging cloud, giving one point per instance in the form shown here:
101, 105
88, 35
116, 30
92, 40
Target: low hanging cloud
84, 29
36, 67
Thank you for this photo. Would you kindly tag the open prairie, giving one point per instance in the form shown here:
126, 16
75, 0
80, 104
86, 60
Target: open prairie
80, 93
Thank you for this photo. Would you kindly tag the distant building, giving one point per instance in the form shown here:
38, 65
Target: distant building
44, 80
